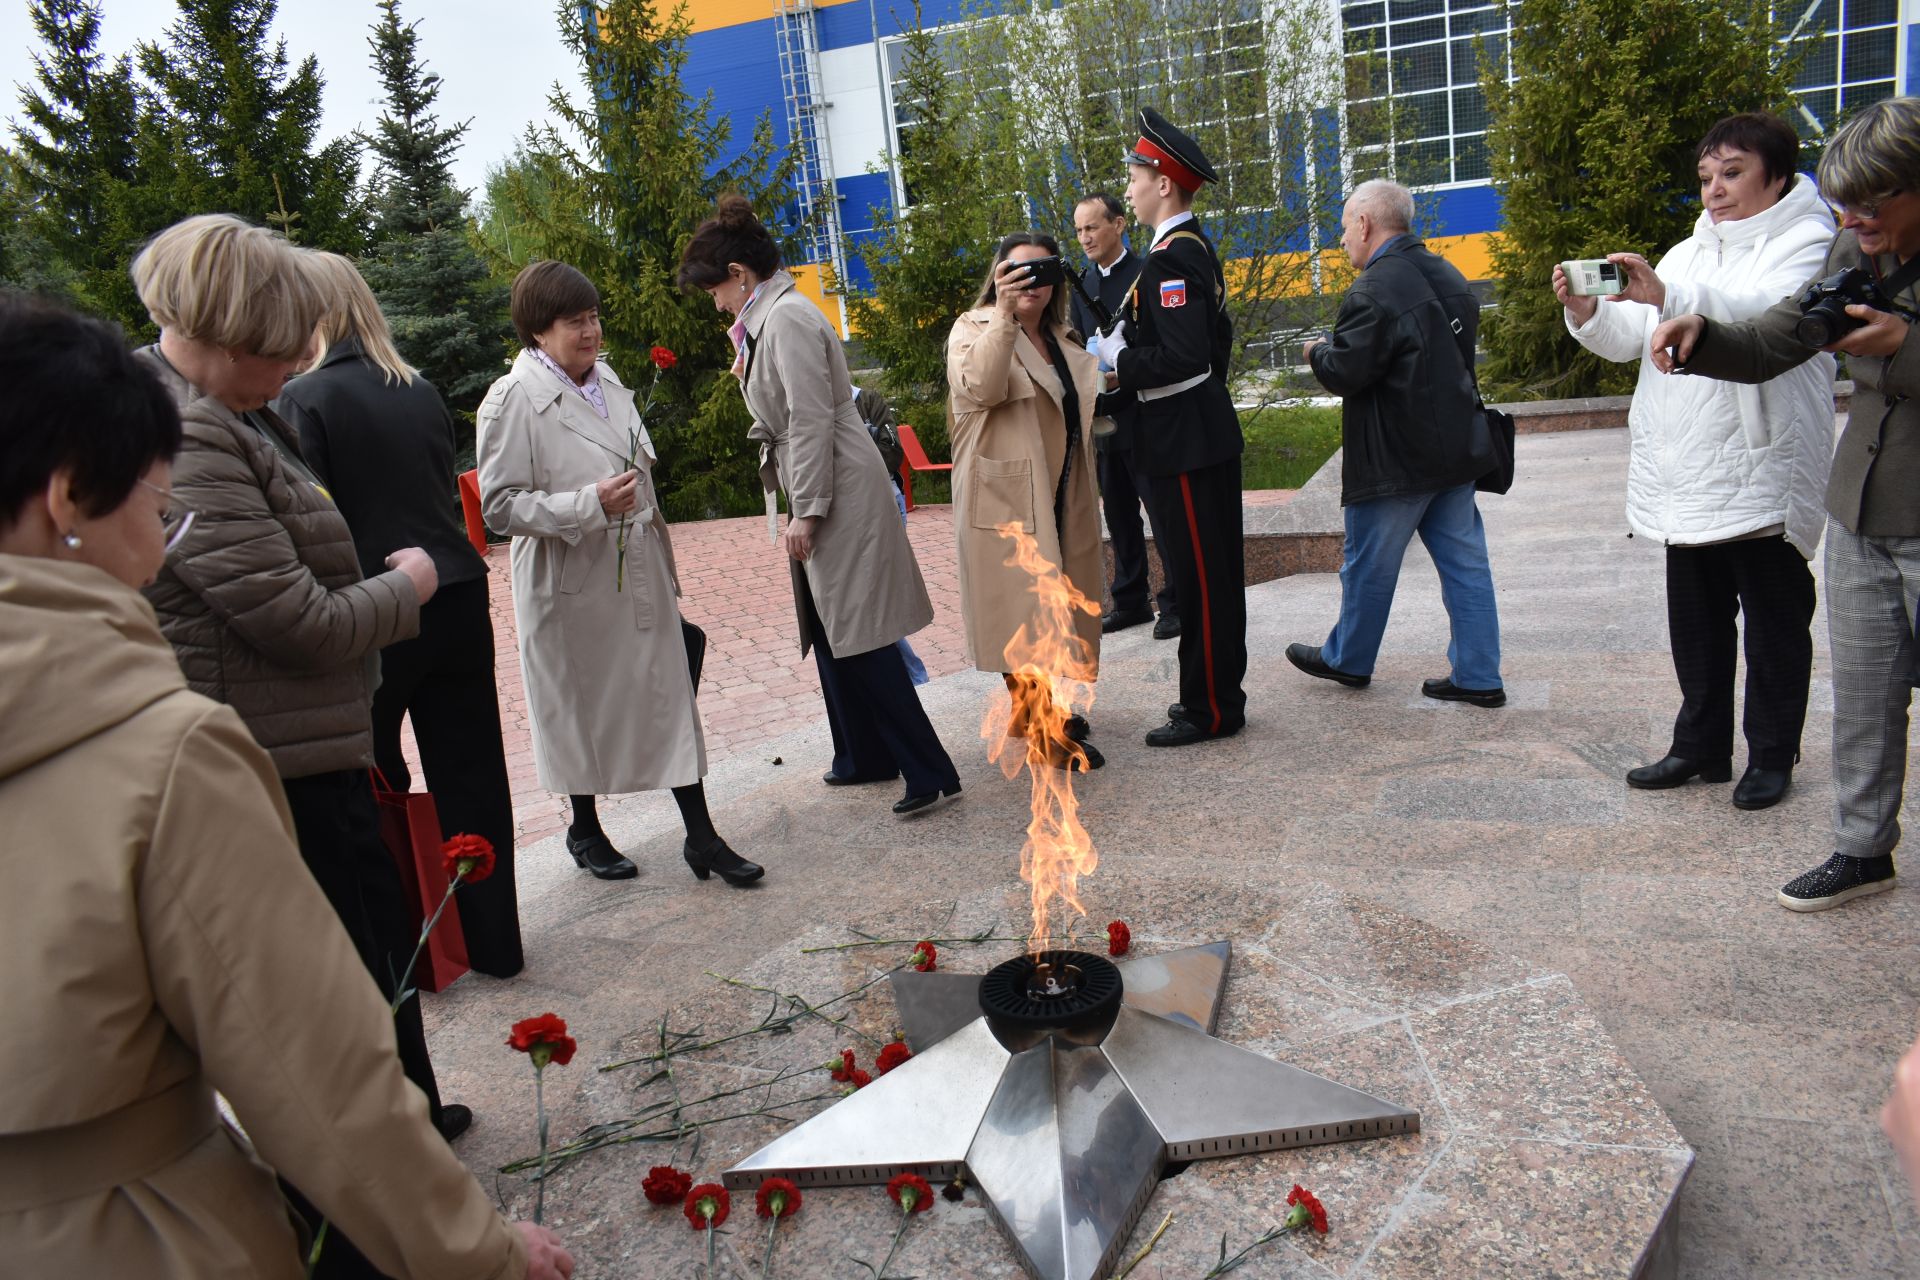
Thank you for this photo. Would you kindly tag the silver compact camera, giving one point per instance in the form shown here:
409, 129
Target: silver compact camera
1594, 277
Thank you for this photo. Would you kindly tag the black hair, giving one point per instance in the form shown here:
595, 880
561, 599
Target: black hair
546, 291
77, 401
732, 234
1106, 200
1759, 133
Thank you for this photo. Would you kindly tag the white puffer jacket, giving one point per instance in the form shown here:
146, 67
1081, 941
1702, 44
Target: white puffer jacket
1711, 460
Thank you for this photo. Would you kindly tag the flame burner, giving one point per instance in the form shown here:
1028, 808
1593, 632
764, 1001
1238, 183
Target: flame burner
1055, 989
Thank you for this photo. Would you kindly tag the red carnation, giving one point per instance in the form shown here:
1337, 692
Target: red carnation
859, 1080
1306, 1211
924, 957
468, 856
842, 1070
1119, 938
707, 1206
663, 358
665, 1184
911, 1192
891, 1056
544, 1039
777, 1198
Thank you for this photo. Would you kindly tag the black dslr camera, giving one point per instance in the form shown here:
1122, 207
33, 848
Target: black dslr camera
1823, 306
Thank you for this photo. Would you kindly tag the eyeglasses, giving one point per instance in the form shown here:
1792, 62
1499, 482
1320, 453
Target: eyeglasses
1867, 211
176, 520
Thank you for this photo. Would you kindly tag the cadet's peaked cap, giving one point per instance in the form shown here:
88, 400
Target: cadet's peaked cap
1172, 152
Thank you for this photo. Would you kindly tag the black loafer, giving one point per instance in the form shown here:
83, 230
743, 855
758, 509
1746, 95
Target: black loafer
841, 780
1184, 733
1671, 771
597, 854
718, 858
1447, 691
454, 1120
1307, 658
1761, 788
914, 804
1166, 626
1121, 619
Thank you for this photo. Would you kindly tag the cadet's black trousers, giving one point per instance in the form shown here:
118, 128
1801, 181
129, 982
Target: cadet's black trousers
1197, 528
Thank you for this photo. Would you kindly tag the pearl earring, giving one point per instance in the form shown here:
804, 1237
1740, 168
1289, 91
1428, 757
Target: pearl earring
70, 540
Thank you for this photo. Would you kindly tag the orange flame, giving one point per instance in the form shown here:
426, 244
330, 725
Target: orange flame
1051, 676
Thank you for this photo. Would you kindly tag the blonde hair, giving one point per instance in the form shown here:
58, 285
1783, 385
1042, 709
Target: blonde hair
1874, 155
353, 312
217, 279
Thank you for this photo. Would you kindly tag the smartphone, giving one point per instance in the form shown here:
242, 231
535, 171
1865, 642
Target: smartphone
1048, 270
1594, 277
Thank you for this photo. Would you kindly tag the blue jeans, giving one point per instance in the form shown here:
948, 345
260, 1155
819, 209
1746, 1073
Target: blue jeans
1378, 532
916, 669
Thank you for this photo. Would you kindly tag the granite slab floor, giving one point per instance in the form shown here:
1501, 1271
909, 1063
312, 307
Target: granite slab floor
1768, 1037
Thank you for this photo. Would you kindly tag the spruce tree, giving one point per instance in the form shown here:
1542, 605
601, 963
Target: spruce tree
1592, 147
448, 315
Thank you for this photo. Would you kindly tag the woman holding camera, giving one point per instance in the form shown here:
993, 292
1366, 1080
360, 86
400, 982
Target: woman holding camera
1022, 412
1728, 478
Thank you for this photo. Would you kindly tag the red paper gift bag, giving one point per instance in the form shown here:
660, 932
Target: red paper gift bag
410, 826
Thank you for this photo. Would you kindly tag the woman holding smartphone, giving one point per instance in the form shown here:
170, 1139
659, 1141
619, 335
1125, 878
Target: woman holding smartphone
1022, 437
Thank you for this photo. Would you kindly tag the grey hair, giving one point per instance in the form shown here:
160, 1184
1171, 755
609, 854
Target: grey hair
1387, 202
1874, 155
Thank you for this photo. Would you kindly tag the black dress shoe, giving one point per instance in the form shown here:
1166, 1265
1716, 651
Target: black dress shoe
597, 854
717, 857
1761, 788
1121, 619
1182, 733
1447, 691
454, 1120
841, 780
914, 804
1307, 658
1166, 626
1671, 771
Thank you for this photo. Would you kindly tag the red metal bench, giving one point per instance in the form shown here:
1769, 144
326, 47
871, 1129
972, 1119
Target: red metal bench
916, 460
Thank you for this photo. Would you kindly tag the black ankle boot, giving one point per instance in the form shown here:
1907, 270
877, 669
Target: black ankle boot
733, 868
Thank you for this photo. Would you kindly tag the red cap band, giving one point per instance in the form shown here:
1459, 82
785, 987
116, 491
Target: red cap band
1182, 176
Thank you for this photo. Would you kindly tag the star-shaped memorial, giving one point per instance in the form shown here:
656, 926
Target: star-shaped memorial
1066, 1127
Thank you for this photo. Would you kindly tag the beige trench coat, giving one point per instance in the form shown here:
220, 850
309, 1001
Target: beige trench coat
608, 691
866, 583
162, 940
1007, 451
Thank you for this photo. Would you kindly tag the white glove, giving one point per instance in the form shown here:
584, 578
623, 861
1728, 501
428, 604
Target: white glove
1108, 347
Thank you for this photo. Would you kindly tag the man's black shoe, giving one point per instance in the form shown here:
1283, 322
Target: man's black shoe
839, 780
1121, 619
1761, 788
1307, 658
1166, 626
1184, 733
454, 1120
1671, 771
1447, 691
1839, 879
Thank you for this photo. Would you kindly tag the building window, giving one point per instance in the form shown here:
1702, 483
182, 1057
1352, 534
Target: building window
1415, 108
1849, 55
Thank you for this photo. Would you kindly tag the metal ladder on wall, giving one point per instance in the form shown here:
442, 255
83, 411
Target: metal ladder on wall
797, 35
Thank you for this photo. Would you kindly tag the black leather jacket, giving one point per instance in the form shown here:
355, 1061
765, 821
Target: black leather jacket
1410, 423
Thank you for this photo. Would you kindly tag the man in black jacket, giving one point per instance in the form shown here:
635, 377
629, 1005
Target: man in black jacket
1413, 443
1171, 352
1100, 224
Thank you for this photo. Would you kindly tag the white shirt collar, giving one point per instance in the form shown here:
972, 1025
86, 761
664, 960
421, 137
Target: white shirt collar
1117, 260
1185, 215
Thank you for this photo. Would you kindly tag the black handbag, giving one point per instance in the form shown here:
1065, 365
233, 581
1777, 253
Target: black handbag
1500, 429
696, 642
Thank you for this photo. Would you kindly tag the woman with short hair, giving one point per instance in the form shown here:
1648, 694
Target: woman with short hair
611, 669
382, 441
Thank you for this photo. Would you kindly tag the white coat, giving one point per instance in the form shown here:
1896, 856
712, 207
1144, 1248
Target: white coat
1710, 461
608, 690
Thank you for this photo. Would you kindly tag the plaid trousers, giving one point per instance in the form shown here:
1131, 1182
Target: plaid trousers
1872, 589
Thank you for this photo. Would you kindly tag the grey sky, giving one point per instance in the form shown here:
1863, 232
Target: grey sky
497, 60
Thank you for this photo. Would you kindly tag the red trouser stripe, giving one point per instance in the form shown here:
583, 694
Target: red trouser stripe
1206, 606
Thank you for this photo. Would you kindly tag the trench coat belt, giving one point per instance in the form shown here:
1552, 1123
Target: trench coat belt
47, 1166
1156, 393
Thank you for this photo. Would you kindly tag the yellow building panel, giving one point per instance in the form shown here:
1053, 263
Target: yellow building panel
711, 15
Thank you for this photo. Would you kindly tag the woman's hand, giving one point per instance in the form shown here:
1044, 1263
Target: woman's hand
619, 494
798, 539
1642, 284
1672, 343
547, 1258
418, 566
1882, 335
1010, 284
1580, 308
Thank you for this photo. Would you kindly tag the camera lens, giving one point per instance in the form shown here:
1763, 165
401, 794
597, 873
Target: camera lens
1816, 328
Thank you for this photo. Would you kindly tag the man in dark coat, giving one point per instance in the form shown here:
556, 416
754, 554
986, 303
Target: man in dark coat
1171, 352
1413, 442
1100, 224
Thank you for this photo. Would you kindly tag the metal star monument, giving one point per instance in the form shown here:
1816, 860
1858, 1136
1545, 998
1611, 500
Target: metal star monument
1062, 1086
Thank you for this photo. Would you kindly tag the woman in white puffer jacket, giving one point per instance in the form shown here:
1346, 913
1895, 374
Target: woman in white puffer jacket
1731, 478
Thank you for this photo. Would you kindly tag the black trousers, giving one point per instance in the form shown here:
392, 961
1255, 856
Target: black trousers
443, 680
1122, 493
1197, 526
879, 727
1771, 585
338, 828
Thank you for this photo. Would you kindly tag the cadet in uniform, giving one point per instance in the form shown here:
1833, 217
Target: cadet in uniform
1171, 352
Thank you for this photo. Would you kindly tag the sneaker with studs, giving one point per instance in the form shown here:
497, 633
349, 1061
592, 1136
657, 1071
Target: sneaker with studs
1839, 879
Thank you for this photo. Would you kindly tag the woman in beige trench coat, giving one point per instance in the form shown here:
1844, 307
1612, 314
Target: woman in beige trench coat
160, 936
856, 586
1022, 393
566, 468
